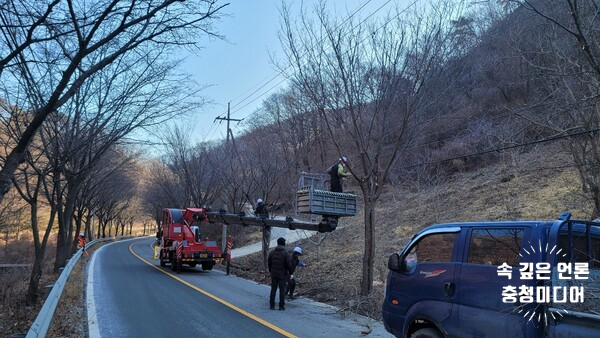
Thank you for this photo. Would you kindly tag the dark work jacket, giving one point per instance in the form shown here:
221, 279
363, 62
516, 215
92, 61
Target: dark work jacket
279, 262
261, 210
334, 176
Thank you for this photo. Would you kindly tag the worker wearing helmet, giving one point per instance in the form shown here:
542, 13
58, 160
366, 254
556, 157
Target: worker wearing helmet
337, 172
261, 209
291, 286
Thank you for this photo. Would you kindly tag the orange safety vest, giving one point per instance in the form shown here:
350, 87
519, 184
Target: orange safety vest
81, 242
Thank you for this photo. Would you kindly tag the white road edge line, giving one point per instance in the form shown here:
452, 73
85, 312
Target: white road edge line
93, 329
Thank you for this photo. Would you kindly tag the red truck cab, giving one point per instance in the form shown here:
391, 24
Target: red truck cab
182, 242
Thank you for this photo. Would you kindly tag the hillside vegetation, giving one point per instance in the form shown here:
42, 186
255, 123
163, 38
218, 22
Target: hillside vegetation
538, 184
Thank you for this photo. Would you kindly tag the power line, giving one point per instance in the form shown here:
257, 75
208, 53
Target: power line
276, 74
206, 137
279, 73
555, 167
555, 138
360, 42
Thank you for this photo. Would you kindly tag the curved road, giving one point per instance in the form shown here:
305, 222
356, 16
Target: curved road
130, 295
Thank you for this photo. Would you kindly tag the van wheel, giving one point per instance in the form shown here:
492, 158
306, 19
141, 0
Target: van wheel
427, 333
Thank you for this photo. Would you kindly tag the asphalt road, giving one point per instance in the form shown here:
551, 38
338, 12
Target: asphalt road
130, 295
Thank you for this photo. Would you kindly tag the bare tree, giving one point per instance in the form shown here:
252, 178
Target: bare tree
31, 183
65, 43
234, 178
561, 45
161, 189
269, 173
115, 201
190, 165
130, 94
298, 133
370, 84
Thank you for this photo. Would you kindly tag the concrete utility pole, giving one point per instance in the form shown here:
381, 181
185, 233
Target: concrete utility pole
229, 132
228, 119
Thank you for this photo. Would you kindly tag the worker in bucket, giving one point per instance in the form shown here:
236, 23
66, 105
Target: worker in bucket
279, 264
291, 286
337, 172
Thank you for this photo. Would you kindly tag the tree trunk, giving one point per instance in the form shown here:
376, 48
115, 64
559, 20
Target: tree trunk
65, 225
88, 227
366, 283
40, 253
36, 272
78, 230
266, 239
61, 238
103, 230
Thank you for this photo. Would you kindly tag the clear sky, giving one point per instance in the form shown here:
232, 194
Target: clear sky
235, 69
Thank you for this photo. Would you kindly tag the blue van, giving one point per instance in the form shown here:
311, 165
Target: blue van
497, 279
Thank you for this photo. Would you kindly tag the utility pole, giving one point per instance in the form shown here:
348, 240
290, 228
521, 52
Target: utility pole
229, 132
228, 119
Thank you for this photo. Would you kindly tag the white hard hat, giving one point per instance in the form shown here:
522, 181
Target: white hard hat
343, 158
259, 200
298, 250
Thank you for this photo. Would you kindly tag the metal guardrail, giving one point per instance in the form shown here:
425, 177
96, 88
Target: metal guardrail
40, 326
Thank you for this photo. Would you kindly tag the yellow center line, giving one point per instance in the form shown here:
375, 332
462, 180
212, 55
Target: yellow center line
224, 302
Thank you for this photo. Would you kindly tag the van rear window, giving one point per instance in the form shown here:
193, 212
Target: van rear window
495, 246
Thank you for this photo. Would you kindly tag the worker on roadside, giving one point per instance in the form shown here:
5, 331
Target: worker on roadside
295, 263
81, 242
279, 264
261, 209
337, 172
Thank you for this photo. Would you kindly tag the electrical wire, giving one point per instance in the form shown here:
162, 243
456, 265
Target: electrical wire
281, 72
276, 74
493, 150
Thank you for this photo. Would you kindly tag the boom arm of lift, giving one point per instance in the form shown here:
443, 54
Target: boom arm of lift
327, 224
330, 205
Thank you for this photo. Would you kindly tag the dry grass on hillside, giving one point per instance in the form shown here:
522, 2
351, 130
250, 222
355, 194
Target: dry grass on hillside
531, 188
15, 315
